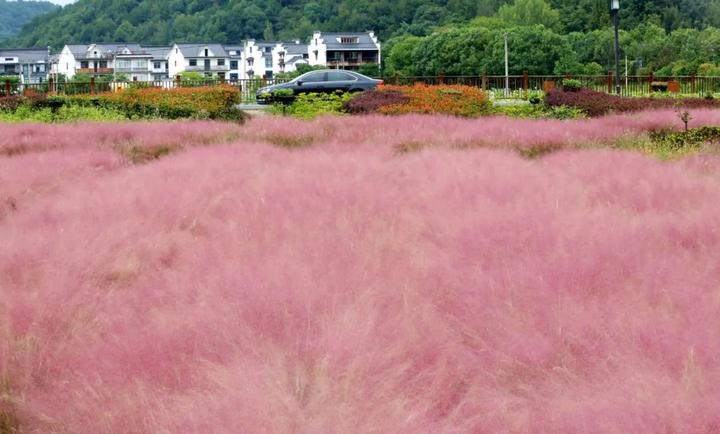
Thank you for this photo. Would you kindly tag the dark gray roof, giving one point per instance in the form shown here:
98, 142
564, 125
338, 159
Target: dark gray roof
158, 53
26, 54
293, 48
332, 41
81, 50
295, 59
192, 50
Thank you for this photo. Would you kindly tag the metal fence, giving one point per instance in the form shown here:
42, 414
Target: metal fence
247, 88
518, 86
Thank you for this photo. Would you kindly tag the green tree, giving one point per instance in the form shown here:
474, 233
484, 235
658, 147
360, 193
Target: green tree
530, 13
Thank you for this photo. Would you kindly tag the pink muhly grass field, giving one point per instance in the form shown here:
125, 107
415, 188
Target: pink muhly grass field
335, 288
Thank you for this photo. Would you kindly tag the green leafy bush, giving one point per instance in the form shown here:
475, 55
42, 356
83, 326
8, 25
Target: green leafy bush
310, 105
571, 85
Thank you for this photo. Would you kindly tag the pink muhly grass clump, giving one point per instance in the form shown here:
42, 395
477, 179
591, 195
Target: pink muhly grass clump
246, 288
492, 132
22, 138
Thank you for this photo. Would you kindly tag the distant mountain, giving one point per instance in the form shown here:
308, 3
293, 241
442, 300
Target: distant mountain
15, 14
229, 21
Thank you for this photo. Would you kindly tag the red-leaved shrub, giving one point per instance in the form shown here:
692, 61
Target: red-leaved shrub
599, 103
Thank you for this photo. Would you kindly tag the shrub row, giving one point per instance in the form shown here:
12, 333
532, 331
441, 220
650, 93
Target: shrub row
599, 103
454, 100
214, 102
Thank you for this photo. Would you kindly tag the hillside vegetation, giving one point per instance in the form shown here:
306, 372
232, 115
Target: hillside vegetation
154, 22
13, 15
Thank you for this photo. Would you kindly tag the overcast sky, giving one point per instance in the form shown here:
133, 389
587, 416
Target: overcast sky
62, 2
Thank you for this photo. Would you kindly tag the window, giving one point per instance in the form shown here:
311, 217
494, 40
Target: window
221, 62
233, 77
336, 55
9, 59
339, 76
251, 61
193, 62
233, 64
349, 40
352, 55
268, 49
95, 53
123, 64
84, 64
307, 56
139, 64
176, 51
281, 54
157, 65
206, 52
268, 62
103, 64
315, 77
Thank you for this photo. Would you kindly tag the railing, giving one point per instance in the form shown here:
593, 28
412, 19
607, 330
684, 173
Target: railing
247, 87
95, 71
519, 86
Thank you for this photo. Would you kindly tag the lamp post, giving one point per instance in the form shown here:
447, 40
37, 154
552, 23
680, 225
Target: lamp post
615, 12
507, 68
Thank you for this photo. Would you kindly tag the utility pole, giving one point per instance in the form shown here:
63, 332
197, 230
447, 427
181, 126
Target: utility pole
615, 12
507, 68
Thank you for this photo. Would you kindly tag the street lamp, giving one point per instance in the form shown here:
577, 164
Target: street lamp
507, 68
615, 12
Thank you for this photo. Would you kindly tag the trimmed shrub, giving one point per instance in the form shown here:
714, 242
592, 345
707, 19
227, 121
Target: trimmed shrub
453, 100
371, 101
217, 102
599, 103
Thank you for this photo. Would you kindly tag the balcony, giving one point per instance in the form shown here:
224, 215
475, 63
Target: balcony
127, 70
207, 68
95, 70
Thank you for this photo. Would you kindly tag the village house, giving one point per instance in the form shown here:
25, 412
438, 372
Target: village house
346, 50
96, 59
31, 65
209, 59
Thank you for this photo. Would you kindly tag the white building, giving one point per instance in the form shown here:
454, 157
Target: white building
347, 50
257, 59
158, 62
235, 56
31, 65
92, 59
288, 55
209, 59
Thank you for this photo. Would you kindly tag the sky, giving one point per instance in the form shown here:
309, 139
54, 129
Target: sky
62, 2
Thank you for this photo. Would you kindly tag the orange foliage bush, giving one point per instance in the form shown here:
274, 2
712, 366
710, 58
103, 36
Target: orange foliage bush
192, 102
454, 100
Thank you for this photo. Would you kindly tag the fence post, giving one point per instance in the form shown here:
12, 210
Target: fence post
7, 87
484, 81
441, 78
610, 82
51, 84
92, 85
178, 80
526, 83
692, 83
396, 79
651, 78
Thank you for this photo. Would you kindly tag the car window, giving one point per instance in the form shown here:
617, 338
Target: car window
340, 76
315, 77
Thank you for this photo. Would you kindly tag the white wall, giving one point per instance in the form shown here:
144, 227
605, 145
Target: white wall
67, 64
176, 62
317, 44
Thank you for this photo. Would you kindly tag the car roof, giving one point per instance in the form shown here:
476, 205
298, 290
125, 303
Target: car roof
356, 74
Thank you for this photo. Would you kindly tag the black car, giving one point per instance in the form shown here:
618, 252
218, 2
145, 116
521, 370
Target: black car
328, 80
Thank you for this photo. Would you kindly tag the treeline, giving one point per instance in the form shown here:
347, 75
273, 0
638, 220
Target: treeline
539, 45
420, 36
13, 15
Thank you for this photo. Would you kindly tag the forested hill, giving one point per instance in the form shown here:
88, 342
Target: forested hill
14, 14
160, 22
